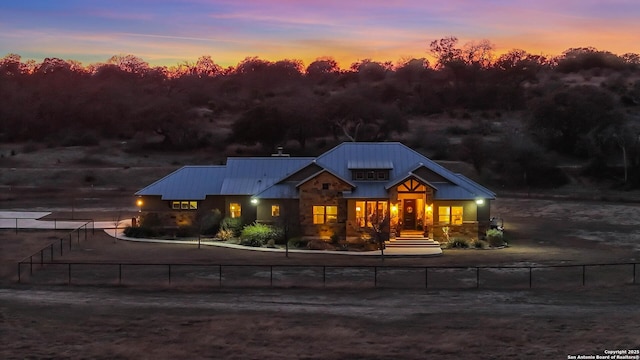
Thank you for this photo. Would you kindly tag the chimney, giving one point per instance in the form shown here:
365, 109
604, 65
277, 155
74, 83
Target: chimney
280, 153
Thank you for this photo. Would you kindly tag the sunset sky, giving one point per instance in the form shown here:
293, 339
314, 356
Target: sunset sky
168, 32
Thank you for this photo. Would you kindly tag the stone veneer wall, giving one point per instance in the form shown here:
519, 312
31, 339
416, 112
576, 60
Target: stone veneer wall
312, 194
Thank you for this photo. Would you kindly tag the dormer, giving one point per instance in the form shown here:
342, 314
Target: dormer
369, 170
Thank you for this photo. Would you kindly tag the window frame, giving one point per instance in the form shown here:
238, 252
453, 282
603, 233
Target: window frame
449, 216
324, 214
184, 205
233, 212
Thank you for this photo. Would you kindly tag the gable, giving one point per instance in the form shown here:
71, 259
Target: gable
430, 175
304, 173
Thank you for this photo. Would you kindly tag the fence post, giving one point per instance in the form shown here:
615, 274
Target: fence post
31, 265
583, 274
324, 276
70, 240
19, 277
119, 274
69, 274
426, 277
375, 276
61, 246
219, 275
271, 276
85, 231
55, 224
530, 277
78, 232
16, 225
477, 277
51, 247
169, 273
42, 258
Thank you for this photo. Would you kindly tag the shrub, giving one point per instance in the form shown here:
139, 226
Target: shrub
233, 224
186, 231
140, 232
335, 239
258, 234
477, 244
210, 222
224, 234
458, 243
495, 237
297, 243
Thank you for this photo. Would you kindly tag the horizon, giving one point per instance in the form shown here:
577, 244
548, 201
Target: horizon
171, 32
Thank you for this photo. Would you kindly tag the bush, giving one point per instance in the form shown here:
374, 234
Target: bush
477, 244
233, 224
258, 234
224, 234
458, 243
186, 231
210, 222
140, 232
495, 237
297, 243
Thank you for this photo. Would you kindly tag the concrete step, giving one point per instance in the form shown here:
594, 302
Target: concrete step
412, 242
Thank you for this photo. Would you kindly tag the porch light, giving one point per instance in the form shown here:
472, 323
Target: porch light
254, 201
139, 202
479, 201
429, 208
358, 208
394, 209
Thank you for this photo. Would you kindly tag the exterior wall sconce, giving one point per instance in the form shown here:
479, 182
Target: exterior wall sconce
254, 201
480, 201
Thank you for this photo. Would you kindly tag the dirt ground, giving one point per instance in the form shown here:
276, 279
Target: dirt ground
162, 322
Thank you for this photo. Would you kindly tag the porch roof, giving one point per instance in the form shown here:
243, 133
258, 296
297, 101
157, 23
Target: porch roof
187, 183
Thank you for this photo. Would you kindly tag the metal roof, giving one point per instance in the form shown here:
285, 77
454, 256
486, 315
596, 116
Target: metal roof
265, 177
188, 183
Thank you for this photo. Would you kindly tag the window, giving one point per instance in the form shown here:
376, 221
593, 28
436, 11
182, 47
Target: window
325, 186
275, 210
370, 175
184, 205
450, 215
325, 214
235, 210
370, 213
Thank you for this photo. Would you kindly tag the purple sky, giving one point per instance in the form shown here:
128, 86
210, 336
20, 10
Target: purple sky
168, 32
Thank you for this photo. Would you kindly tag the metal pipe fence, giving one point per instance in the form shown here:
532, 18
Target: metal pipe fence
15, 221
323, 276
47, 254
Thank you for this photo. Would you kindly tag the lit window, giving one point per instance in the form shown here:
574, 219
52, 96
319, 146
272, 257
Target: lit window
275, 210
325, 214
235, 210
184, 205
450, 215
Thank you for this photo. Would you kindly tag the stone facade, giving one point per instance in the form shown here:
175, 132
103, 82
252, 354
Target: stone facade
323, 190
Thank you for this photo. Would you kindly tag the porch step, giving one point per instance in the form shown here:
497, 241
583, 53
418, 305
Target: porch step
411, 242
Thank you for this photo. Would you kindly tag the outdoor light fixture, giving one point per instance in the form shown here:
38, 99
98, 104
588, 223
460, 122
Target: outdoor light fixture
254, 201
394, 208
429, 208
479, 201
139, 202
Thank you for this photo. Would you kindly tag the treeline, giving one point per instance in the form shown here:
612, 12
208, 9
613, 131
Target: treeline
62, 102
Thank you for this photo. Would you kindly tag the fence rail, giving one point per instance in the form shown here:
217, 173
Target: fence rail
47, 254
15, 222
246, 275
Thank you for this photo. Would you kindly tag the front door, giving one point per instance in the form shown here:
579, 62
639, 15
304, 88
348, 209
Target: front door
409, 214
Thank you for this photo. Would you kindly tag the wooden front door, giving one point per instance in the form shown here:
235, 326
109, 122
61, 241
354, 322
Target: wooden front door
409, 214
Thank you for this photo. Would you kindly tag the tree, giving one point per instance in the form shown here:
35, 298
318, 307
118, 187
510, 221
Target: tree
445, 51
564, 117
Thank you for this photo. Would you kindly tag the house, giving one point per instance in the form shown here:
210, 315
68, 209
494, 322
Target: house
347, 191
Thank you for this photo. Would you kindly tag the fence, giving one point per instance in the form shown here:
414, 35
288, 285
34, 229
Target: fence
27, 223
366, 276
46, 255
